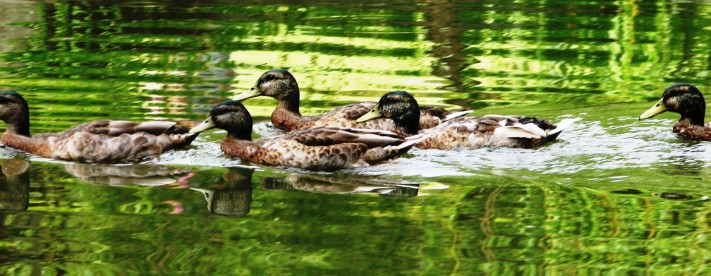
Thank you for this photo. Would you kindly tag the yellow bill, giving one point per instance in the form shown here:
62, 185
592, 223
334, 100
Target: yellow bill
253, 92
372, 114
659, 107
205, 125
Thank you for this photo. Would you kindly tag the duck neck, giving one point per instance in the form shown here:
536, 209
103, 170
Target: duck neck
241, 135
694, 115
692, 121
290, 103
408, 123
692, 109
19, 123
410, 128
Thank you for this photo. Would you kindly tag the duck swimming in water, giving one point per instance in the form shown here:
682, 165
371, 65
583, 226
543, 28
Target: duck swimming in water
323, 148
94, 142
464, 132
282, 86
687, 100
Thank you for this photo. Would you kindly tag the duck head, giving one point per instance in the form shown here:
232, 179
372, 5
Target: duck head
399, 106
15, 112
231, 116
276, 83
681, 98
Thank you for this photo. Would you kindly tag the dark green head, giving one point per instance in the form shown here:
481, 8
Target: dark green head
15, 112
231, 116
399, 106
682, 98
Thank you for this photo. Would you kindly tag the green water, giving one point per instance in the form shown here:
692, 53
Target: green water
613, 195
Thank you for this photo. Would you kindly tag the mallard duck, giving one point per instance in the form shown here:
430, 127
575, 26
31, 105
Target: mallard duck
93, 142
317, 148
464, 132
685, 99
281, 85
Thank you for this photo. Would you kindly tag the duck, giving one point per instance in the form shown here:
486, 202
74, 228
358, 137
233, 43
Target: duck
321, 148
687, 100
104, 141
282, 86
464, 132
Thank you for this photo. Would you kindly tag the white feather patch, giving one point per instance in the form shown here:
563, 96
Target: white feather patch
563, 125
456, 115
517, 132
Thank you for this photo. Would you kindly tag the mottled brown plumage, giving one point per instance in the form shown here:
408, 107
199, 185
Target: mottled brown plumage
282, 86
93, 142
490, 131
688, 101
465, 132
317, 148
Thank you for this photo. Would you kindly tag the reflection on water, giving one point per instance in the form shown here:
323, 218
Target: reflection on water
340, 184
15, 185
613, 194
234, 197
138, 174
576, 226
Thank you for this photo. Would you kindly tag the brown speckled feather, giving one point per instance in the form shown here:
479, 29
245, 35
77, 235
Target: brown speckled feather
97, 142
317, 148
290, 153
488, 131
282, 86
462, 132
694, 132
109, 144
345, 116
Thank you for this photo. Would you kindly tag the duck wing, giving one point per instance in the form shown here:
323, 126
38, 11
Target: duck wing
346, 116
320, 148
116, 128
107, 141
88, 147
328, 135
490, 131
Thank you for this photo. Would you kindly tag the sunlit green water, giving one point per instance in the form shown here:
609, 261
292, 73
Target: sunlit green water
613, 195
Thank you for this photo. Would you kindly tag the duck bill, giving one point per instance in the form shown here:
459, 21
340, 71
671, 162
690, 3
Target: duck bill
253, 92
205, 125
372, 114
657, 108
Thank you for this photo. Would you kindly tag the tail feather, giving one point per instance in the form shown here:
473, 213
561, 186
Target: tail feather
410, 142
562, 125
457, 114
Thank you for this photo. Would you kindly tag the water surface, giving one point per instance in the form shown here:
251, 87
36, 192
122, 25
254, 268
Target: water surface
612, 195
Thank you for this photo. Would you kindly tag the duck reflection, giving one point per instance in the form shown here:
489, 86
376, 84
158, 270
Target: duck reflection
15, 185
234, 198
130, 175
340, 184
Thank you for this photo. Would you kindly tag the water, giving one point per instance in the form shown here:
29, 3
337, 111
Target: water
612, 195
